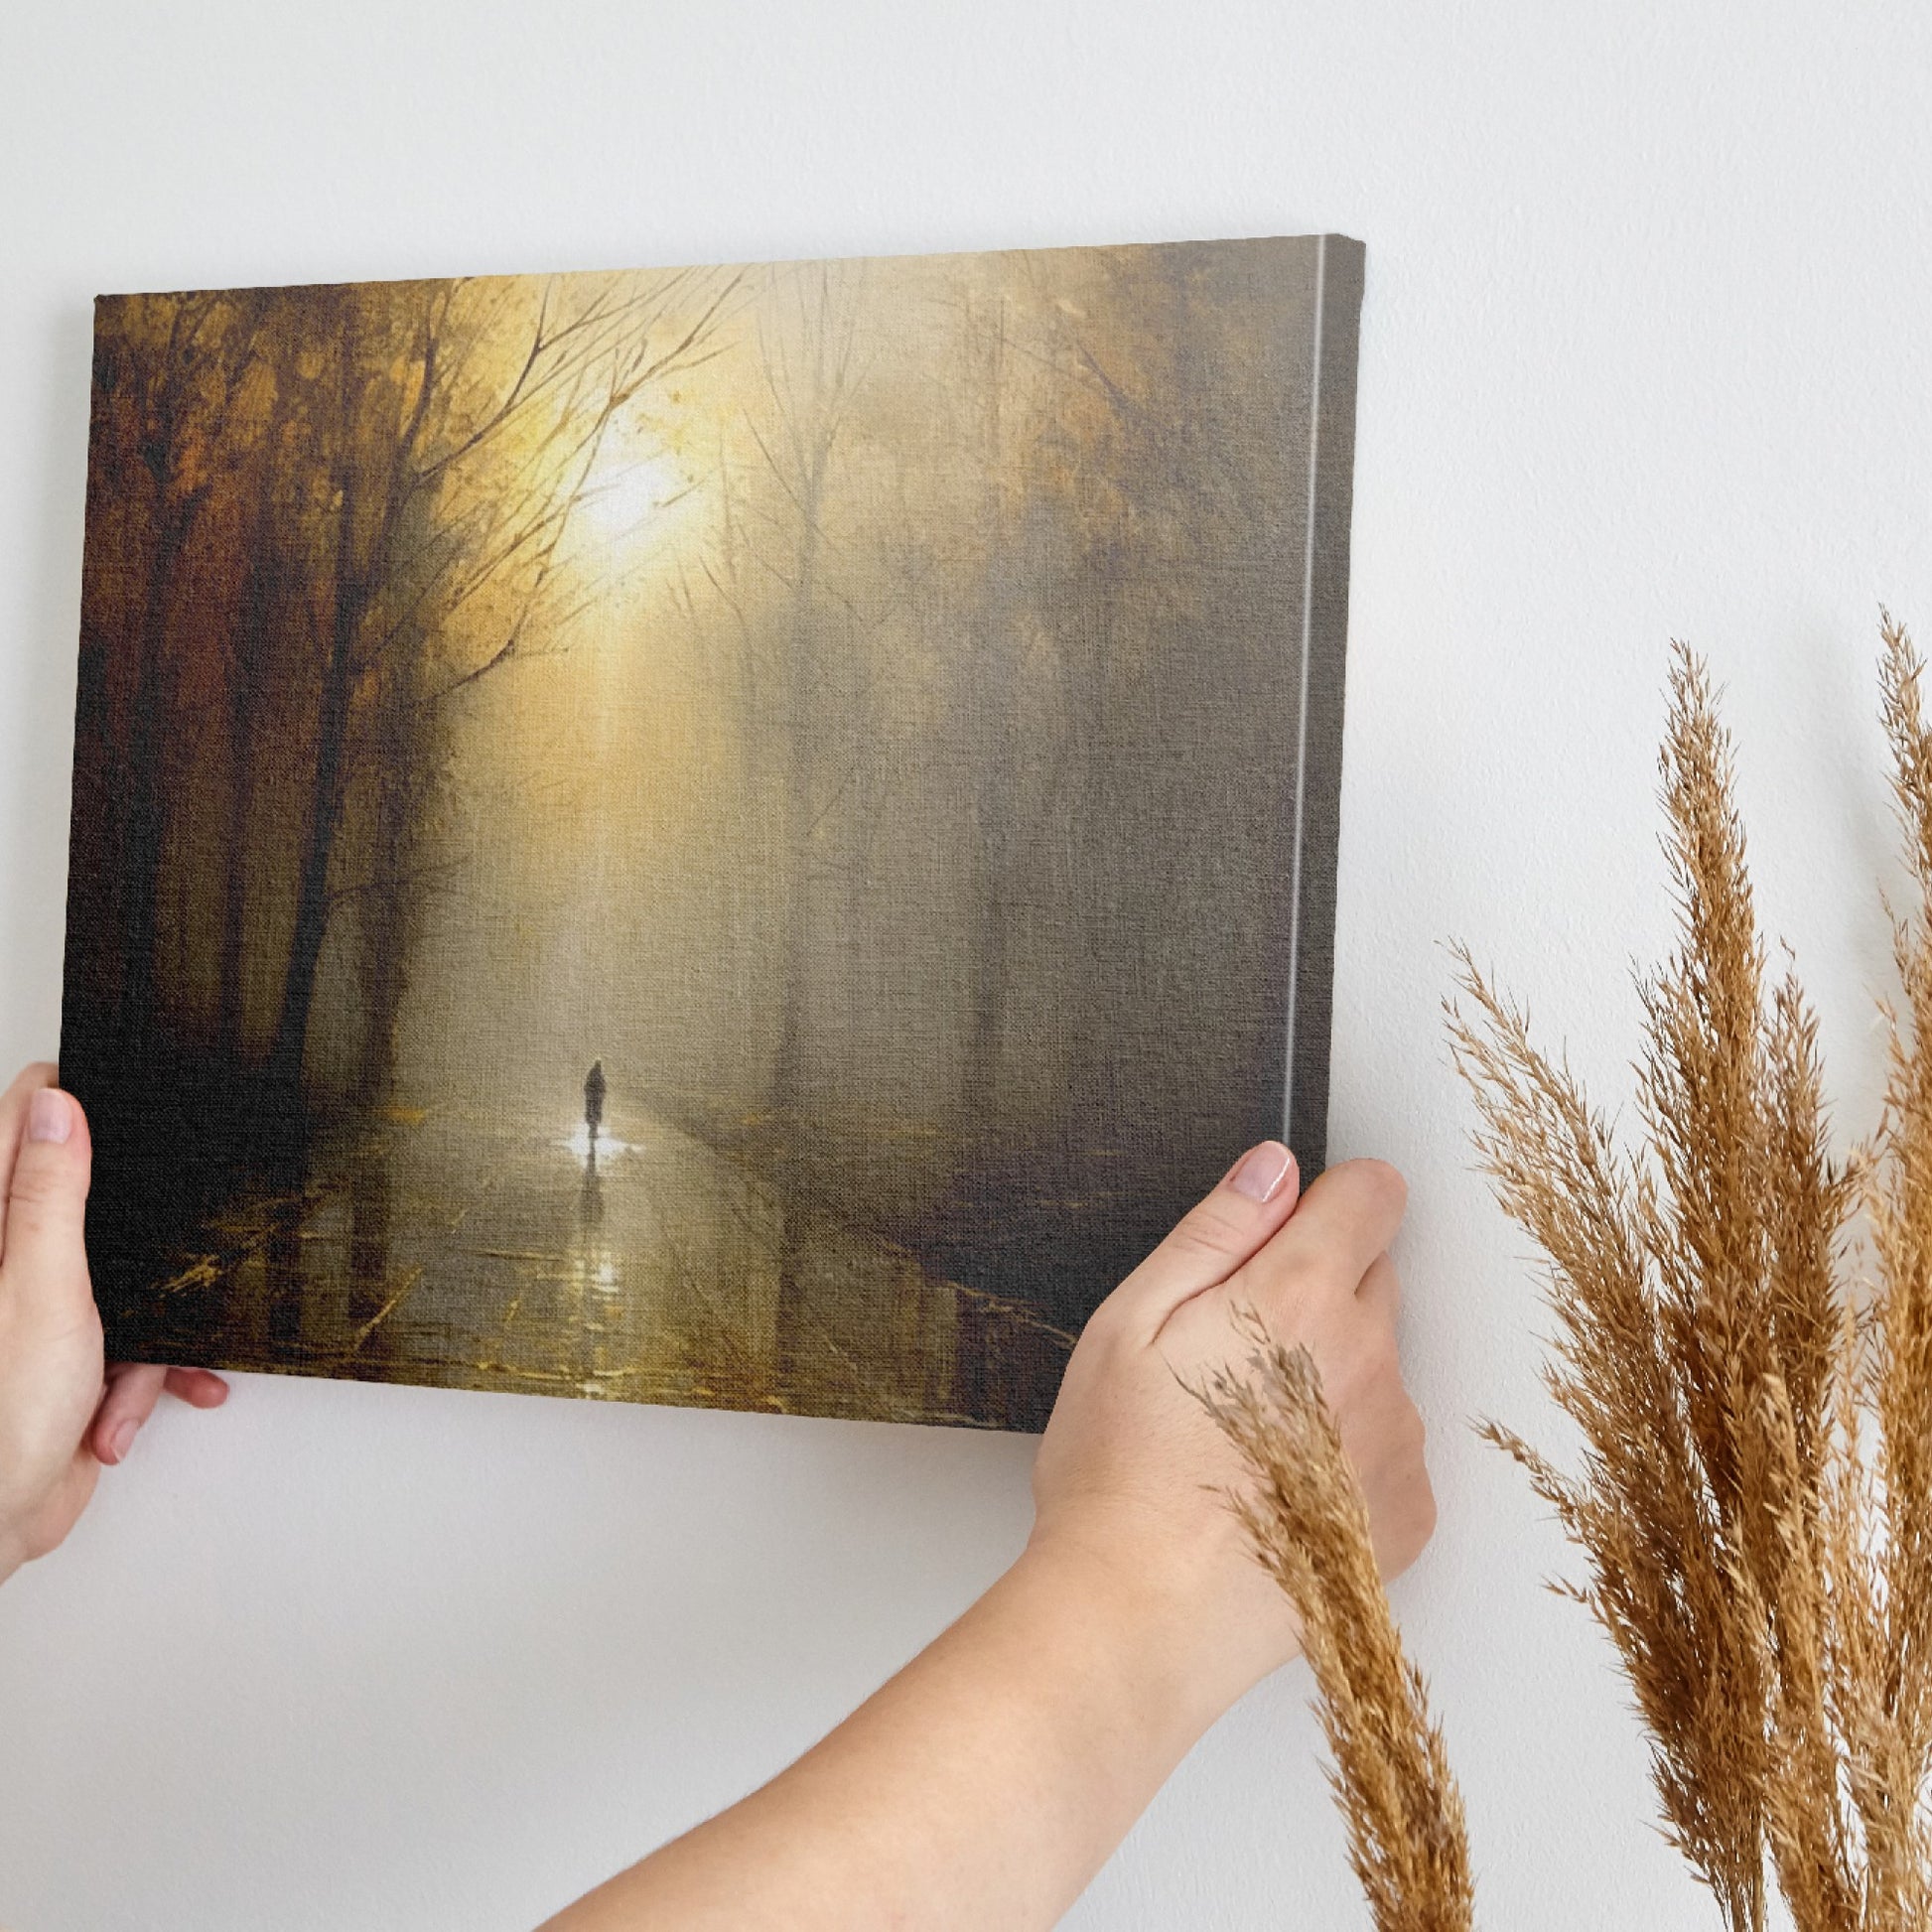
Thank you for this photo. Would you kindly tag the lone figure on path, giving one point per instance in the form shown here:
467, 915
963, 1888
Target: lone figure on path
594, 1102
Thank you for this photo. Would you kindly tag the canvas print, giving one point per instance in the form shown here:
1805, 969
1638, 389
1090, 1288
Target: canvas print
736, 836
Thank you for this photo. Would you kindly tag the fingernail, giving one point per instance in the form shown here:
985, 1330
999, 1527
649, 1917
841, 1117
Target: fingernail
122, 1439
50, 1115
1262, 1170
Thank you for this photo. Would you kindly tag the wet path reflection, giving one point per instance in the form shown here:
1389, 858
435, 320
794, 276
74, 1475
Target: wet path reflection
442, 1249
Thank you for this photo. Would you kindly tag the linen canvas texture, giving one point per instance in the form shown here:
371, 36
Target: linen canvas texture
741, 836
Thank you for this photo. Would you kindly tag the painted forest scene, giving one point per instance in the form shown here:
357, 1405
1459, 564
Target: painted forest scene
733, 836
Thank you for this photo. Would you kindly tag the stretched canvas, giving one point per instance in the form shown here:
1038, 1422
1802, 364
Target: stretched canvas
739, 836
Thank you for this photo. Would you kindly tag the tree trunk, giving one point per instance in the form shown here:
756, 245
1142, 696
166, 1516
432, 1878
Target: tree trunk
992, 711
788, 1067
147, 811
245, 704
389, 908
788, 1070
331, 757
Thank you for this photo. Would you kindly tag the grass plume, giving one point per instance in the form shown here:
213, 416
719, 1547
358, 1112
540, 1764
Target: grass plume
1308, 1526
1753, 1499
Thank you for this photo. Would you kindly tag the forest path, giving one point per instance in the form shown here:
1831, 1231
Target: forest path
448, 1249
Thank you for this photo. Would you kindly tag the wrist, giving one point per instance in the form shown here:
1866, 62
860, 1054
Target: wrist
1165, 1637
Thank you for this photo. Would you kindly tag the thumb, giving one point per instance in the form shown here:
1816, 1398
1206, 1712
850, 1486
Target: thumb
1213, 1238
44, 1260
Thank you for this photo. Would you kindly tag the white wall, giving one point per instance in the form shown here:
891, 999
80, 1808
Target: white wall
1643, 354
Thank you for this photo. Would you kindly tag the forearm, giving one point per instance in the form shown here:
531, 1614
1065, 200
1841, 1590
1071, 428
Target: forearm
984, 1785
991, 1778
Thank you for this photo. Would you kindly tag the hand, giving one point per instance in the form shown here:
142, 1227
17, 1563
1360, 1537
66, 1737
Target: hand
63, 1411
987, 1781
1128, 1478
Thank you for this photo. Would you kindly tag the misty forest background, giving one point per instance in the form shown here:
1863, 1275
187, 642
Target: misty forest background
854, 701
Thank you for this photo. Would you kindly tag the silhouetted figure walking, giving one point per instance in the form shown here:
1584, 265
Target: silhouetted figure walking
594, 1102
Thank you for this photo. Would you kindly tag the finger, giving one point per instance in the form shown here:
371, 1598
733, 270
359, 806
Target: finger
133, 1388
1252, 1199
200, 1388
1380, 1293
1347, 1217
44, 1265
13, 1126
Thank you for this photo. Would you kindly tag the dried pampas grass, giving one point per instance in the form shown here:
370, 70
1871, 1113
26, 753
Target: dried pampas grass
1753, 1390
1754, 1498
1309, 1525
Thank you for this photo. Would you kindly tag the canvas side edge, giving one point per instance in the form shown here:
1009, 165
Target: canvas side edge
70, 1055
1325, 643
